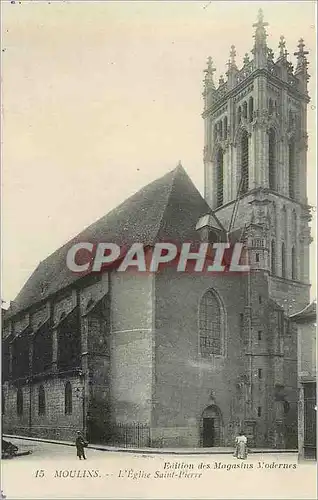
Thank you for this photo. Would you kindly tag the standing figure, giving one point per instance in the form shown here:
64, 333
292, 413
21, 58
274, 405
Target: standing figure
80, 445
241, 446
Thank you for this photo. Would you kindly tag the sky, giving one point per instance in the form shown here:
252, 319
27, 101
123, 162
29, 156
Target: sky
101, 98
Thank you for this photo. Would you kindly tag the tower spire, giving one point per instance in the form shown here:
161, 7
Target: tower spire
232, 56
260, 48
282, 47
302, 62
260, 32
208, 80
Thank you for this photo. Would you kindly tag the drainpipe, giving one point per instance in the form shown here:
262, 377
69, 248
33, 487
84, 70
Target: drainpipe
30, 382
30, 406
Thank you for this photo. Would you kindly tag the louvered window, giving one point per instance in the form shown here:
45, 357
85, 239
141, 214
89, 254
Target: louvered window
244, 161
220, 178
272, 161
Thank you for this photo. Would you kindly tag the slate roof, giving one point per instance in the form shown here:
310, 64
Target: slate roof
166, 209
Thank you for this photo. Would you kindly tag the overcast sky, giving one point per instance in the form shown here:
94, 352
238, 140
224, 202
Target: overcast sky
101, 98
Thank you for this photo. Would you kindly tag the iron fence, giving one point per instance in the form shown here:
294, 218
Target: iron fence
132, 435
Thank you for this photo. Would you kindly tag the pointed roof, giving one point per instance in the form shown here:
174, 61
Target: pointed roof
166, 209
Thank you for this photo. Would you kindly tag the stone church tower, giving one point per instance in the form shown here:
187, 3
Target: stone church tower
255, 160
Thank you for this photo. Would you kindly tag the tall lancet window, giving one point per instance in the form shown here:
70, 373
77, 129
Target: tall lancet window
219, 177
273, 257
244, 162
215, 132
272, 171
250, 109
211, 325
245, 110
221, 129
270, 106
283, 261
225, 127
291, 169
239, 115
294, 226
294, 269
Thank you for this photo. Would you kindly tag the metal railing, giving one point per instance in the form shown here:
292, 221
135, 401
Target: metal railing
133, 435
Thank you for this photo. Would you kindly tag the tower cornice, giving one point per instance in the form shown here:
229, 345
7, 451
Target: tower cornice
248, 81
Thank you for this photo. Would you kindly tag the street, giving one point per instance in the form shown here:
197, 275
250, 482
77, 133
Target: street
54, 471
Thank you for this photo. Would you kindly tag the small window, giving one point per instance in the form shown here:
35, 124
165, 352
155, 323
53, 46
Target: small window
259, 299
286, 407
259, 411
259, 334
19, 402
260, 373
257, 257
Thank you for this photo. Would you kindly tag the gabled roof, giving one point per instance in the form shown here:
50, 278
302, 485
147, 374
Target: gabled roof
305, 315
166, 209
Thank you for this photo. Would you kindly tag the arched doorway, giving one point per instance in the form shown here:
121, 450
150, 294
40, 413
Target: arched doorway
211, 427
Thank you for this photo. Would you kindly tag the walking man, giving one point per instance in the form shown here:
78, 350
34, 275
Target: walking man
80, 445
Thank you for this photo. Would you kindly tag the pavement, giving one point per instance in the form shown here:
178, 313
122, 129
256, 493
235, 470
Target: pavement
53, 471
155, 451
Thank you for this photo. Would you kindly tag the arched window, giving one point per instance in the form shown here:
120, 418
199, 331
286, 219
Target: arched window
291, 169
219, 173
19, 401
245, 110
272, 160
270, 106
210, 325
239, 115
290, 119
283, 261
294, 268
244, 162
215, 132
68, 399
225, 127
273, 257
41, 400
251, 108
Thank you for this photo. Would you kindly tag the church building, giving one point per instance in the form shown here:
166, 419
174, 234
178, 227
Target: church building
172, 359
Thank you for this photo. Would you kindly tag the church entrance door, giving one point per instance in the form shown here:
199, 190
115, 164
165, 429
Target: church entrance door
211, 427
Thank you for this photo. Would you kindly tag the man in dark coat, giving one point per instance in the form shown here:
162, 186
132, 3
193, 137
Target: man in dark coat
80, 444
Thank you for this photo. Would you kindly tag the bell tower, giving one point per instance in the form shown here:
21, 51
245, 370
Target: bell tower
255, 161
